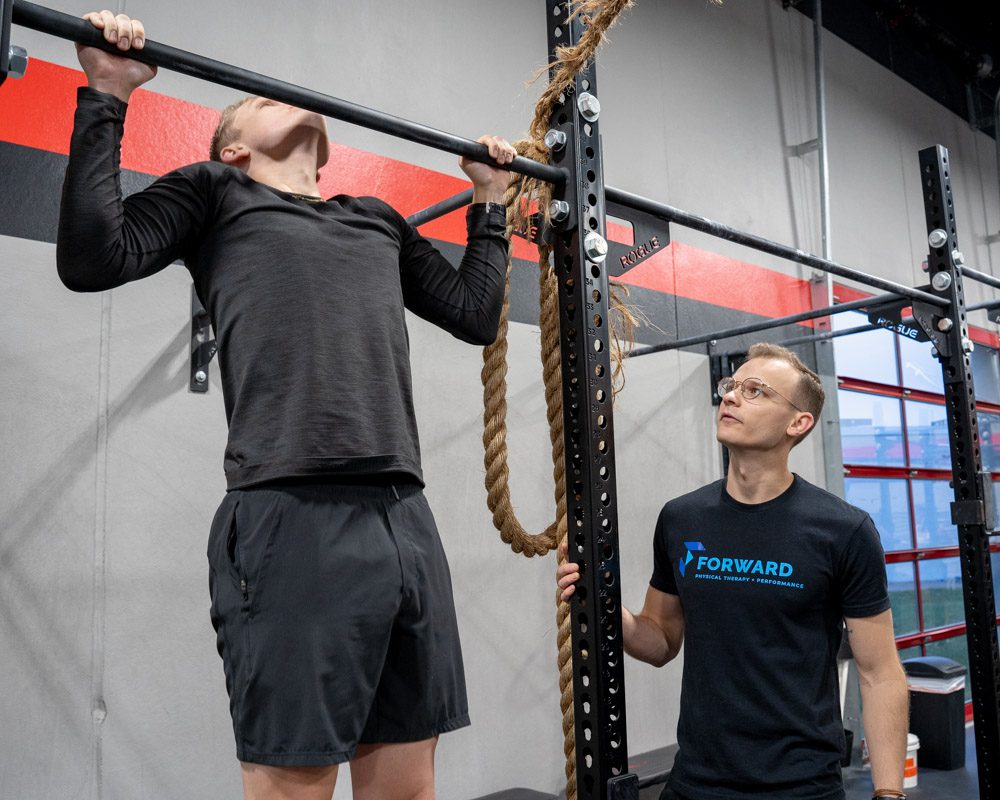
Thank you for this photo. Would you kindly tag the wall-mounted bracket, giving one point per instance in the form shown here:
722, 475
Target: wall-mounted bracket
649, 236
203, 346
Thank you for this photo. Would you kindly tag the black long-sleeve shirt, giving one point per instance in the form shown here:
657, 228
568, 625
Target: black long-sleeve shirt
307, 298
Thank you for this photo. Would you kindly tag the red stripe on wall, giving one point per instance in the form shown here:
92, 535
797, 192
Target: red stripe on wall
163, 133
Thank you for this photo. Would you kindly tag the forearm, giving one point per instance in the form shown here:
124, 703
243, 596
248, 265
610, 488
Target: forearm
885, 712
484, 273
88, 252
466, 302
487, 194
644, 640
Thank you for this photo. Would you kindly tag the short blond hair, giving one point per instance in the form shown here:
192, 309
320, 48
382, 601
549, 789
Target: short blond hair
226, 133
809, 394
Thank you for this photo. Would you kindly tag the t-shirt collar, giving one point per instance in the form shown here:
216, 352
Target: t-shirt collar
757, 508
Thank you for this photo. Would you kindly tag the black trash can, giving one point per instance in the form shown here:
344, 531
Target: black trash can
937, 710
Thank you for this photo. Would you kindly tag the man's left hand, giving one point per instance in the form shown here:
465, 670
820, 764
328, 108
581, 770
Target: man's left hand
489, 182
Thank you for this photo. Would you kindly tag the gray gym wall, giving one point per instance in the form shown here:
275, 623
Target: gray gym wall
113, 470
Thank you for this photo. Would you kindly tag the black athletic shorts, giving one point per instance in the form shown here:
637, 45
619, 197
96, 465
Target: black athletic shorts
335, 621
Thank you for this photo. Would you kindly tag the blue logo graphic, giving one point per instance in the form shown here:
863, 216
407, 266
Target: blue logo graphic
689, 556
735, 569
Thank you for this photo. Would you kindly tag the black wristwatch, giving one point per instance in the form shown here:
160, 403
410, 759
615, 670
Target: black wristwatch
498, 207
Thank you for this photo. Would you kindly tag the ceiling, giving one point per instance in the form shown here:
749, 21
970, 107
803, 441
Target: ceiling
949, 49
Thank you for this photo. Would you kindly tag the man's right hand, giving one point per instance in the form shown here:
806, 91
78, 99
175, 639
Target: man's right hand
109, 73
567, 574
655, 635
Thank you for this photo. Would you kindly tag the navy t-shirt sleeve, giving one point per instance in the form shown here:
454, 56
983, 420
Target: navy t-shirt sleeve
663, 572
861, 573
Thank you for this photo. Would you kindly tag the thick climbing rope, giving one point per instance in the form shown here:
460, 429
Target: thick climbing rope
521, 197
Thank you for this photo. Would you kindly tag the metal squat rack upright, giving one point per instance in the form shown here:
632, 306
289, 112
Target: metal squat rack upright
580, 252
972, 507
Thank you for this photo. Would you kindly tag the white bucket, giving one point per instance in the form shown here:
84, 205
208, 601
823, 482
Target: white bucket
910, 765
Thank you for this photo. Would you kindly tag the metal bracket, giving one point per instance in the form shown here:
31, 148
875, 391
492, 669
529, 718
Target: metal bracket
799, 150
890, 317
203, 346
649, 235
967, 512
928, 317
565, 156
624, 787
993, 315
989, 510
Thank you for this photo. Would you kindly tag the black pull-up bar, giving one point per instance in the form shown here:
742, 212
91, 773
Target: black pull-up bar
982, 277
720, 231
64, 26
440, 208
777, 322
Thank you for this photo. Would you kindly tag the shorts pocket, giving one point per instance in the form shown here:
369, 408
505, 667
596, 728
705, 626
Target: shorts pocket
223, 556
250, 540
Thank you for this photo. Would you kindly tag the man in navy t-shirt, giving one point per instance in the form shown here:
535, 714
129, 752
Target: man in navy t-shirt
759, 572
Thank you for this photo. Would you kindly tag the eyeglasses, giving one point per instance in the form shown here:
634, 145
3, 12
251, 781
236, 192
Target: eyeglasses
750, 388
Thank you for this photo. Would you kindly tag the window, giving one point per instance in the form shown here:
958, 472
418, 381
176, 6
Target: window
919, 369
941, 592
886, 502
989, 435
927, 436
871, 429
897, 462
932, 514
868, 356
903, 596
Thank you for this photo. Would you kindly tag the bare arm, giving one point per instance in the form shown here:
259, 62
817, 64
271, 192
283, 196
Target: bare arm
884, 696
656, 633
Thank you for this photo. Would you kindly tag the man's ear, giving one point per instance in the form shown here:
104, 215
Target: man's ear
801, 425
236, 154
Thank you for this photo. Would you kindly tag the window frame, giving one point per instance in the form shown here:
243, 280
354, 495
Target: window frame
915, 555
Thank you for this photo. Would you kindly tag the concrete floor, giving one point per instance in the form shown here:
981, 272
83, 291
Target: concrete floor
933, 784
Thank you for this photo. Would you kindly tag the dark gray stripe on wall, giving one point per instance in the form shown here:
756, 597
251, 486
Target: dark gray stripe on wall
32, 186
